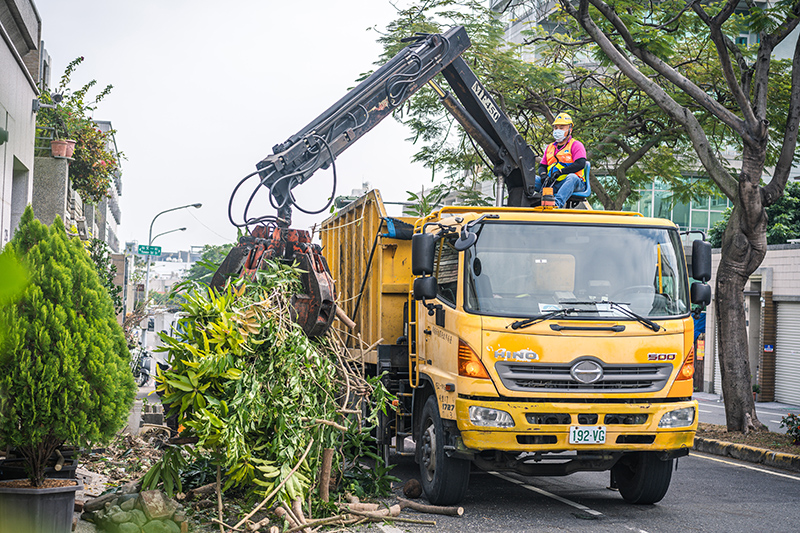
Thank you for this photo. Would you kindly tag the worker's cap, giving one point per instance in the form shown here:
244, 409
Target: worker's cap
562, 118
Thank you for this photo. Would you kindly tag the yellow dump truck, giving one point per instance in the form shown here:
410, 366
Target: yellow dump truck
540, 341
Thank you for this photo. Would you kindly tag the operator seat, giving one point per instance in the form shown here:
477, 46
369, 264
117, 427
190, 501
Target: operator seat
579, 197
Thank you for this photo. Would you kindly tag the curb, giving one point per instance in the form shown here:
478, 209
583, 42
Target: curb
784, 461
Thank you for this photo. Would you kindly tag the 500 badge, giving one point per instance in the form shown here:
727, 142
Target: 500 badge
661, 356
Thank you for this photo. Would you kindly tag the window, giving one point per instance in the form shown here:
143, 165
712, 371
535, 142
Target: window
446, 271
680, 215
523, 270
700, 220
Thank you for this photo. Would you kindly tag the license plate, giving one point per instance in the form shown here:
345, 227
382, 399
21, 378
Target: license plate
587, 435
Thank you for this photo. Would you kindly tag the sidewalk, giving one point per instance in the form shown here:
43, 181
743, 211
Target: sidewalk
783, 461
710, 397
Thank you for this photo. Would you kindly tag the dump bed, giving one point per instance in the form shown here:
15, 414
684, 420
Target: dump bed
361, 254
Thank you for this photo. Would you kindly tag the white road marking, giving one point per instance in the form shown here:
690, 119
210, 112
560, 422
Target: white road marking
636, 529
548, 494
796, 478
704, 411
776, 421
704, 404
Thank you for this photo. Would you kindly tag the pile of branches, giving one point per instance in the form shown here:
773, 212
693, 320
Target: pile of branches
276, 413
352, 512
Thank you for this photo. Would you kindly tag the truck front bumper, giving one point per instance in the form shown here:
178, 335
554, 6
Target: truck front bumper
545, 427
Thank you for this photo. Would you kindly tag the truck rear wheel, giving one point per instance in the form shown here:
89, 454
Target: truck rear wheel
642, 478
444, 479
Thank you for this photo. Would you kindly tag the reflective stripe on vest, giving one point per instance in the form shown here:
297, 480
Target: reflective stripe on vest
562, 157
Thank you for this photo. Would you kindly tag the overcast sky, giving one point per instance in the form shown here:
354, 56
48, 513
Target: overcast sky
203, 90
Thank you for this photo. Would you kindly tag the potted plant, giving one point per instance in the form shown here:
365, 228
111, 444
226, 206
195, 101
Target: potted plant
756, 390
64, 371
69, 117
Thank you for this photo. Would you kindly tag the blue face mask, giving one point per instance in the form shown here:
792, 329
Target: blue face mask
559, 135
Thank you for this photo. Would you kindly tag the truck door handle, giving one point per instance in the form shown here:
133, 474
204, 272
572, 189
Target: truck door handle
426, 331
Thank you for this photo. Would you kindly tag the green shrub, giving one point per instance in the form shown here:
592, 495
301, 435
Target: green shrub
792, 424
64, 374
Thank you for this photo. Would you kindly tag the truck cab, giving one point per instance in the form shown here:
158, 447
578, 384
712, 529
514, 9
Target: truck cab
559, 341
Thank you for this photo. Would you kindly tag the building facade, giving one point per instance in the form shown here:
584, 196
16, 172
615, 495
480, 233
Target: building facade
772, 307
20, 45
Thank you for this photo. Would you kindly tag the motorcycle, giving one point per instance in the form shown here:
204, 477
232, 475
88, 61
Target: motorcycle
141, 364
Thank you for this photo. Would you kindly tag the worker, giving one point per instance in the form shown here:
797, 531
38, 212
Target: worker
563, 163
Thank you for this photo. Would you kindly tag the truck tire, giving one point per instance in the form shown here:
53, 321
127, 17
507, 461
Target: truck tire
383, 438
642, 478
444, 479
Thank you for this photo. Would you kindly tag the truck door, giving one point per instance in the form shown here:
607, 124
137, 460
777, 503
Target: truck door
438, 344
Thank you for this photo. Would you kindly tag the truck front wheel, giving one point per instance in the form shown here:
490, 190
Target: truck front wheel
642, 478
444, 479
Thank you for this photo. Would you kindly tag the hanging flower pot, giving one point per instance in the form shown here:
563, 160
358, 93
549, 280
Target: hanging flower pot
62, 147
70, 147
58, 148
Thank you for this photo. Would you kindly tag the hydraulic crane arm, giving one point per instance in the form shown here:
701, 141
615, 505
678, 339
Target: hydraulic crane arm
320, 142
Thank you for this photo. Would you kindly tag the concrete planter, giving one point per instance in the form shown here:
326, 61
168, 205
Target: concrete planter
46, 510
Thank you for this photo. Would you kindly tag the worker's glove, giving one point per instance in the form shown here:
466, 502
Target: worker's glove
554, 173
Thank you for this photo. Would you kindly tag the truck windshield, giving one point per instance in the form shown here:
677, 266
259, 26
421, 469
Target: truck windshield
527, 270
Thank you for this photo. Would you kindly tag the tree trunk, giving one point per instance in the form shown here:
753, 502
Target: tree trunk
744, 246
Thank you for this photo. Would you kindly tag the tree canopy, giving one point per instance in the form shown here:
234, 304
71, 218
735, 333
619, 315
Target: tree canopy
630, 142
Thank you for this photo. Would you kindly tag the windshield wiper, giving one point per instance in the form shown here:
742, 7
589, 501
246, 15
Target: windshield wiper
540, 318
619, 306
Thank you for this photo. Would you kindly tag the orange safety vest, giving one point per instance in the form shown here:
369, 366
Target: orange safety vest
561, 157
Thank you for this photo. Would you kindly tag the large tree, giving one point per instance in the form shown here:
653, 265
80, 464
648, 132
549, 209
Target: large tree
636, 36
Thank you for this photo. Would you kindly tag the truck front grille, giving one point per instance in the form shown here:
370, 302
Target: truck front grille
556, 378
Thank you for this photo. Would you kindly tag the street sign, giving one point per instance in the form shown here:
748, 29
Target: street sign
149, 250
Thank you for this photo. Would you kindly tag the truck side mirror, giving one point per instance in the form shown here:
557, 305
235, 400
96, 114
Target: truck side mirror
465, 240
701, 261
423, 253
701, 293
425, 288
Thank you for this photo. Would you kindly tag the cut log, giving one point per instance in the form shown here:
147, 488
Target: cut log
431, 509
60, 463
346, 320
205, 489
394, 510
364, 507
325, 474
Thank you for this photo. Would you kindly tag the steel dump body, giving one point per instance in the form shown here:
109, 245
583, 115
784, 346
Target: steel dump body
350, 239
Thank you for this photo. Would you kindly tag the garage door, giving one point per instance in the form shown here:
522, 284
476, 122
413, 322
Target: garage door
717, 371
787, 354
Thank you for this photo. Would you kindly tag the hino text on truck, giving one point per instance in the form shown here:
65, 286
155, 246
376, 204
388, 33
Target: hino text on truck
535, 340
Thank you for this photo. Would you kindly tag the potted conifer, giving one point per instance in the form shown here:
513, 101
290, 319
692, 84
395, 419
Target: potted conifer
64, 371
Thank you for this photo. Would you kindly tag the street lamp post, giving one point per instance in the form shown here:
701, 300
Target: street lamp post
150, 240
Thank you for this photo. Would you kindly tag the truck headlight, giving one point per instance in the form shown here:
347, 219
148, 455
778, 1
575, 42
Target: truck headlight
679, 418
483, 416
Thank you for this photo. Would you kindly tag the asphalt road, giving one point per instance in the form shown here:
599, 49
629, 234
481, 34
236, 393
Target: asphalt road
712, 411
707, 494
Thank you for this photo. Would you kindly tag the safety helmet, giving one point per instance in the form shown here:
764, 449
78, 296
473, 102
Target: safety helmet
562, 118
